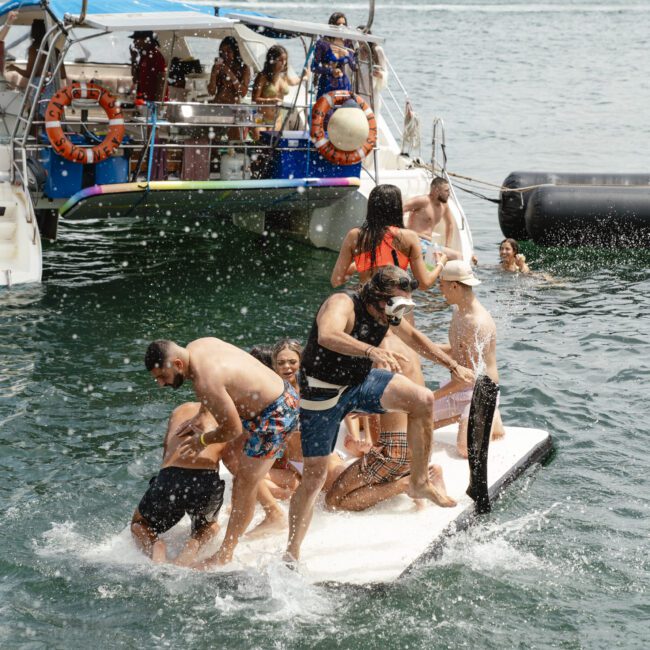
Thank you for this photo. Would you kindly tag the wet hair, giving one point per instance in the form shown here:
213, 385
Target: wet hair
37, 32
263, 353
382, 285
273, 54
284, 344
384, 210
335, 17
157, 353
231, 42
513, 243
438, 182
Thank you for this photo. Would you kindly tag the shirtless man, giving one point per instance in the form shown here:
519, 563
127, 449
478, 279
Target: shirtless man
184, 485
337, 378
472, 343
425, 212
243, 395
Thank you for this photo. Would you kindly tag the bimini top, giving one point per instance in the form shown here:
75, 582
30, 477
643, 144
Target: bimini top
118, 15
306, 28
168, 15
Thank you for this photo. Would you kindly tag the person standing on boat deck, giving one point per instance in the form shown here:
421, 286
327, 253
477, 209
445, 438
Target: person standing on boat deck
149, 72
472, 343
9, 21
37, 34
243, 395
425, 212
332, 57
189, 484
337, 377
382, 240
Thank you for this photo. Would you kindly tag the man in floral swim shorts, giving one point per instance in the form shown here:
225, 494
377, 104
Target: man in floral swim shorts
244, 396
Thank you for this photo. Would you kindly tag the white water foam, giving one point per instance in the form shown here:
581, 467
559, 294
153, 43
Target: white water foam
269, 591
495, 547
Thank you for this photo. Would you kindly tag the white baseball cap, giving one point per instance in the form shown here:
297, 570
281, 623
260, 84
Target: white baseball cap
459, 271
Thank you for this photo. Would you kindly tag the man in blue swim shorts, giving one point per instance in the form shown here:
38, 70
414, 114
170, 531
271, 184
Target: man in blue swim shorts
243, 396
338, 377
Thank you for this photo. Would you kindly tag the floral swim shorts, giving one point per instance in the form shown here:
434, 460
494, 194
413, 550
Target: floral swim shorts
268, 431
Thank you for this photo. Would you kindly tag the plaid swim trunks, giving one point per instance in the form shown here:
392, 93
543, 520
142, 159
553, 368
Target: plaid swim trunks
389, 460
269, 430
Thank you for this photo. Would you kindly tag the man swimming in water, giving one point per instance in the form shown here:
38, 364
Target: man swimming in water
243, 395
472, 343
185, 484
425, 212
337, 378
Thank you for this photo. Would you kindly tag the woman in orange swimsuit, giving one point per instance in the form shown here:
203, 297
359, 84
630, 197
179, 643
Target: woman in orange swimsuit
383, 241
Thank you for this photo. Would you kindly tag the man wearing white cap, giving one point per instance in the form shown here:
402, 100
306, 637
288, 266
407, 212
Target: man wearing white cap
472, 343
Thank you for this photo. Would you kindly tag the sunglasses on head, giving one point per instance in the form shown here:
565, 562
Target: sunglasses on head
408, 284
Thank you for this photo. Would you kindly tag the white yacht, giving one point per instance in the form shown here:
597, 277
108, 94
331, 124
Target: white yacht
296, 192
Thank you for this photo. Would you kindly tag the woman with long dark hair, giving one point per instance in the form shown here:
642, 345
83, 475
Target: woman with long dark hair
382, 240
230, 76
332, 57
511, 259
272, 85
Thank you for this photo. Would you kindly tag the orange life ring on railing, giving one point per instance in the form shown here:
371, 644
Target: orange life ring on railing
62, 144
324, 147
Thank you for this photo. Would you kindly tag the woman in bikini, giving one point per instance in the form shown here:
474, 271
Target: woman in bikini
271, 86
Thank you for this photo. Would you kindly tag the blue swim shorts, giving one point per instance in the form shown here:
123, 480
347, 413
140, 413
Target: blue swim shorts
269, 430
319, 429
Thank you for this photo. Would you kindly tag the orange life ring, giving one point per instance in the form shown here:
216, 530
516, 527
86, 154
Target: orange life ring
324, 147
61, 143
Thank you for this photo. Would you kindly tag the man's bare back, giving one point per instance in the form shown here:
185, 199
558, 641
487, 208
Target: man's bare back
216, 365
472, 336
206, 458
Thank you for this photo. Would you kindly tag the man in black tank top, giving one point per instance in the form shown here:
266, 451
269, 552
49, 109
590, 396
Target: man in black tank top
338, 377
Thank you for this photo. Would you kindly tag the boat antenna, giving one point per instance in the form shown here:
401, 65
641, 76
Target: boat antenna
371, 16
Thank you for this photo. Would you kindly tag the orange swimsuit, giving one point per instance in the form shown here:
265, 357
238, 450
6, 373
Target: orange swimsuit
385, 254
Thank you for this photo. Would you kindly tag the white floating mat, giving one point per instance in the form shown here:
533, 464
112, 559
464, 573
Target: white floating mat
380, 544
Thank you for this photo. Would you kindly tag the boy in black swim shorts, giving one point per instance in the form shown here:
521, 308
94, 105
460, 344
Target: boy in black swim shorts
183, 486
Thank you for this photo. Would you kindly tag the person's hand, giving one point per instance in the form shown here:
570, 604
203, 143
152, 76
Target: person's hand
11, 17
337, 73
464, 374
191, 446
356, 447
11, 68
474, 260
520, 259
440, 257
386, 359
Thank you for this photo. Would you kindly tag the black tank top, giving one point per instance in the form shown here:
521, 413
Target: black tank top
337, 368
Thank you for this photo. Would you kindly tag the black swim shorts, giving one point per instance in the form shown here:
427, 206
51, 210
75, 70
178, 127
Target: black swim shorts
175, 491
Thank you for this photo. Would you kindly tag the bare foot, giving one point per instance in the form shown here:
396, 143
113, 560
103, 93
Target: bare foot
159, 552
187, 556
221, 557
290, 561
497, 434
434, 489
435, 476
462, 450
272, 524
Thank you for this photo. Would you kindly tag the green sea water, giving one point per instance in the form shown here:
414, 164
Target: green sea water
563, 559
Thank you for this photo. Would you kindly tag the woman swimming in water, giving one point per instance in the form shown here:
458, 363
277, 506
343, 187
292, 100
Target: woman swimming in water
511, 259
